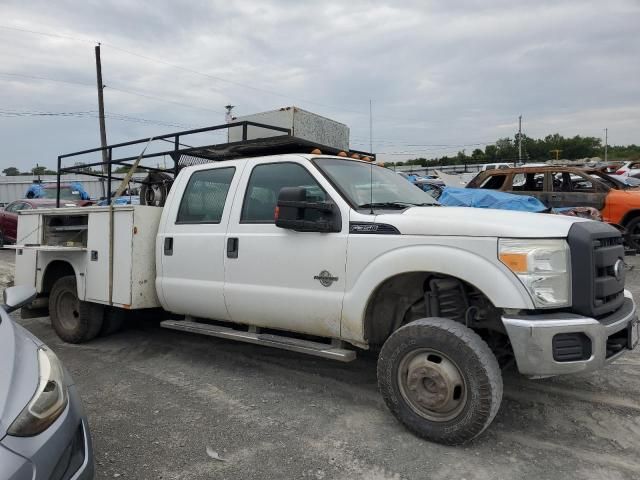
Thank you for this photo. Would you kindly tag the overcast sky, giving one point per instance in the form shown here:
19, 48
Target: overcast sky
442, 75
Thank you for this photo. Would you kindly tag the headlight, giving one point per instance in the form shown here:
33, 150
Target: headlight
543, 268
48, 402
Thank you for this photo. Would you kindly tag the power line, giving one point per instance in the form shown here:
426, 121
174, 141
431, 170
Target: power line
159, 99
93, 114
47, 34
186, 69
118, 89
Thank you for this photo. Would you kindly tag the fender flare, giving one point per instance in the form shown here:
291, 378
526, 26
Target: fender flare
493, 279
79, 278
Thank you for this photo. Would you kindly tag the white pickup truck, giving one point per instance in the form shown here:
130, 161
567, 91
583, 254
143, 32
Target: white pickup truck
327, 255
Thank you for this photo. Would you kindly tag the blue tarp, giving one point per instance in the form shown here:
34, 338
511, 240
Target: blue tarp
37, 190
479, 198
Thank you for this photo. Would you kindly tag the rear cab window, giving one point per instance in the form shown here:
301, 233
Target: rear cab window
205, 196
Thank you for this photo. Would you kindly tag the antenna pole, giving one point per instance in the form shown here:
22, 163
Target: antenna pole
371, 161
370, 128
606, 143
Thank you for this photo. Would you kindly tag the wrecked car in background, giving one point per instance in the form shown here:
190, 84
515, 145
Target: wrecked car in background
563, 187
479, 198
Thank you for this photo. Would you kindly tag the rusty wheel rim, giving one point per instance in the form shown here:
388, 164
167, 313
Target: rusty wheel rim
432, 385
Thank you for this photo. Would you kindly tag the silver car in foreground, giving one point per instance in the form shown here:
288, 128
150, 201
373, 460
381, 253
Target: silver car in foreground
44, 433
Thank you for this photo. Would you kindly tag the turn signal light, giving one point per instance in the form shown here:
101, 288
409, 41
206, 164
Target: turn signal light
517, 262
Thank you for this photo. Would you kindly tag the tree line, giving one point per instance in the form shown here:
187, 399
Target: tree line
533, 150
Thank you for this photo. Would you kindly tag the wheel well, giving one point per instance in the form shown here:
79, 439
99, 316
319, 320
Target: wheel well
409, 296
630, 216
55, 270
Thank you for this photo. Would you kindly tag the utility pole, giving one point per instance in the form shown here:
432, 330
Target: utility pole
520, 139
103, 130
606, 141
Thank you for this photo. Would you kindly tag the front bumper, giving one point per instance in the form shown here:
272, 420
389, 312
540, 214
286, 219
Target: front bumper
63, 451
532, 336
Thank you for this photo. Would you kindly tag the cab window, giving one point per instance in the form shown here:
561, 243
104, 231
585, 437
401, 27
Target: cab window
205, 196
265, 184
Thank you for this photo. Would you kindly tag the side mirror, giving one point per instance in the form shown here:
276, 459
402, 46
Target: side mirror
295, 212
18, 296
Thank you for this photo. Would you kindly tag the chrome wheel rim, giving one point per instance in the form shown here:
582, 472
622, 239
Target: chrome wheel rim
432, 385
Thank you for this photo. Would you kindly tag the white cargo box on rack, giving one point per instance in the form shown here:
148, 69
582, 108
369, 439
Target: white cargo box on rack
80, 236
303, 125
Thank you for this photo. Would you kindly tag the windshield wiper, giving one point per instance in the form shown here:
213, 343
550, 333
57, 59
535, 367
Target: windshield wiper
398, 205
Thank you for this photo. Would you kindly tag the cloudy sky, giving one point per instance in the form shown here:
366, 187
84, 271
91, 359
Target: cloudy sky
442, 75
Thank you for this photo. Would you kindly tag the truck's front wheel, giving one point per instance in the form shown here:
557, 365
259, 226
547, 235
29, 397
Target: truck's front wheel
440, 379
73, 320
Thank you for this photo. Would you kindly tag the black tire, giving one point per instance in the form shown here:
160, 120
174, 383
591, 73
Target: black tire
2, 241
73, 320
435, 360
112, 320
632, 237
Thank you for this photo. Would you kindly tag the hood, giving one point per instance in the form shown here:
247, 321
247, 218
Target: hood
478, 222
19, 373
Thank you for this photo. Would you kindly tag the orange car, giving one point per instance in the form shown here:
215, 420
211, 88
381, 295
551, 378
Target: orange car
558, 186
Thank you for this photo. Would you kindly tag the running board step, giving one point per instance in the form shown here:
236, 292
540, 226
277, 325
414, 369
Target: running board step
286, 343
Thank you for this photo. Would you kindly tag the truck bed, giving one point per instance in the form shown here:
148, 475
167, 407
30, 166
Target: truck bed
119, 272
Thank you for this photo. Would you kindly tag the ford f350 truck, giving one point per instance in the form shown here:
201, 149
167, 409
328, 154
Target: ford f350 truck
329, 255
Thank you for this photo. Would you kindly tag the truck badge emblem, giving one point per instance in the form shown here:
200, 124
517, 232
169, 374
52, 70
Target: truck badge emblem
618, 269
326, 279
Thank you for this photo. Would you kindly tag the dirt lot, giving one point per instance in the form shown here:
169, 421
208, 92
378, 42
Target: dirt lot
157, 399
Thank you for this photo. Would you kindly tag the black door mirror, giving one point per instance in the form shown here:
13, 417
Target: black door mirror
295, 212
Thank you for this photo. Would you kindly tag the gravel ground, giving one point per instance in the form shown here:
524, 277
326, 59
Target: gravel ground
157, 400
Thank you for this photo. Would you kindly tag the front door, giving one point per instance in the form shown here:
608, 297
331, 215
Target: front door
276, 277
192, 243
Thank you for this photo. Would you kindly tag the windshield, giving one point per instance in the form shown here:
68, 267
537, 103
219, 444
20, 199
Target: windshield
354, 180
66, 193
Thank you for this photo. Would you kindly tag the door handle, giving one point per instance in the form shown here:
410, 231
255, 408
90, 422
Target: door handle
168, 246
232, 247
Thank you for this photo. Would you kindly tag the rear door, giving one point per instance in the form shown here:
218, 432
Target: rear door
531, 184
191, 242
576, 189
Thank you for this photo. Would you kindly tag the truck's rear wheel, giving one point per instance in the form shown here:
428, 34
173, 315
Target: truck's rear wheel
73, 320
440, 379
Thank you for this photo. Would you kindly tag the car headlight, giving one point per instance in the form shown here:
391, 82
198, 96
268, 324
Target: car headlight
543, 267
47, 403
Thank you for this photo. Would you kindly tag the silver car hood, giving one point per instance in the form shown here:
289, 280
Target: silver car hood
18, 370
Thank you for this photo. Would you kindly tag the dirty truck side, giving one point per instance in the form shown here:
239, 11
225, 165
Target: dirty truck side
326, 255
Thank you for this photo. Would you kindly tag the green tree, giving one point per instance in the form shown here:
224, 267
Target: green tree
38, 170
11, 171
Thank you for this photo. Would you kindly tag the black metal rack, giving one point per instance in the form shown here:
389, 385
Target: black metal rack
184, 155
